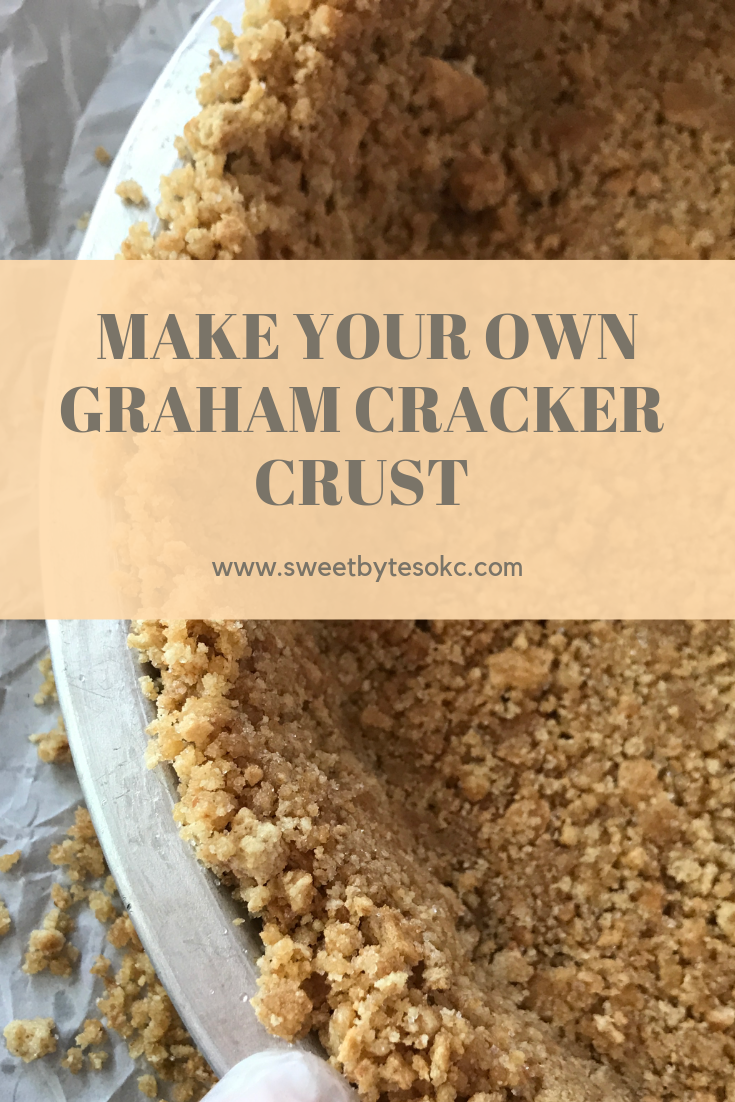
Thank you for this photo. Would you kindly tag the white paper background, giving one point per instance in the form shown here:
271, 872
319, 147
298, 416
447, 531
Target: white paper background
73, 74
37, 804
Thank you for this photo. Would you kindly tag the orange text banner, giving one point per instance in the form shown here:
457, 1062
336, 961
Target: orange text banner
367, 439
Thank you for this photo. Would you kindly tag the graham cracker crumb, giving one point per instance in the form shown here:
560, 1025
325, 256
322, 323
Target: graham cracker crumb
225, 41
147, 1085
53, 745
80, 853
5, 920
47, 690
92, 1034
135, 1002
101, 155
101, 966
60, 897
30, 1038
73, 1061
8, 860
102, 906
131, 192
137, 1007
49, 948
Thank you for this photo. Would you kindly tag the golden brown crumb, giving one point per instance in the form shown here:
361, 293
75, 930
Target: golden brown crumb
5, 920
148, 688
48, 948
226, 35
53, 745
74, 1060
137, 1007
122, 933
60, 897
7, 860
30, 1038
47, 690
92, 1034
136, 1003
522, 129
147, 1085
493, 859
83, 220
102, 906
101, 155
131, 192
80, 853
101, 966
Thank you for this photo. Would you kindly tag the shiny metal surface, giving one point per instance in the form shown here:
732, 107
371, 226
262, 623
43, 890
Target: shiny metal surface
183, 916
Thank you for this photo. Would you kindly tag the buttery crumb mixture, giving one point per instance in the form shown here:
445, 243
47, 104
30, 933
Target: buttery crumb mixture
494, 860
454, 129
30, 1038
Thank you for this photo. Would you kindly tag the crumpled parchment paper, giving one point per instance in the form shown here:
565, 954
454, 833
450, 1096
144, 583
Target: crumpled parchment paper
73, 74
37, 803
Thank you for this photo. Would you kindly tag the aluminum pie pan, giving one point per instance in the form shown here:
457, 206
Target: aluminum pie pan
182, 914
148, 150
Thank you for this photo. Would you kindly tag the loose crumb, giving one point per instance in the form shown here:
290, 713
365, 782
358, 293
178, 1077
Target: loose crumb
92, 1034
83, 220
8, 860
226, 35
101, 155
132, 193
61, 897
135, 1003
30, 1038
53, 745
137, 1007
148, 1086
524, 129
47, 690
73, 1061
5, 920
102, 906
49, 947
80, 853
122, 933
